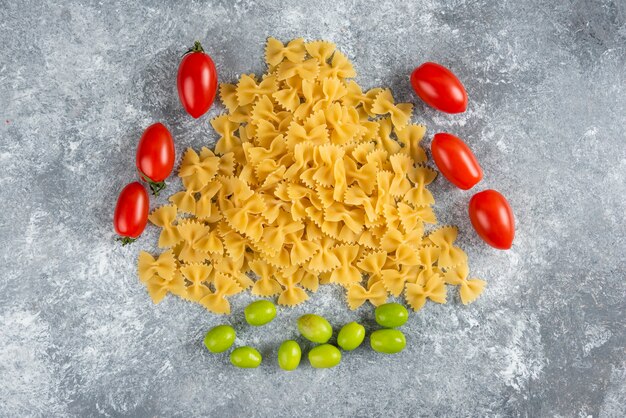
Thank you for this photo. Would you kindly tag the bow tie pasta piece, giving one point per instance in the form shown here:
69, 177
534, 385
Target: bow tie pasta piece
248, 90
192, 233
165, 217
434, 289
240, 218
449, 256
340, 67
301, 250
419, 195
263, 109
372, 264
306, 70
400, 165
195, 171
413, 218
292, 294
400, 113
354, 97
276, 52
364, 176
343, 122
353, 219
393, 280
266, 285
356, 196
298, 134
311, 93
184, 201
217, 301
226, 129
310, 280
385, 141
410, 137
288, 97
312, 181
199, 276
158, 287
332, 91
205, 208
228, 95
406, 255
234, 269
321, 50
469, 290
325, 259
428, 256
164, 266
346, 273
357, 295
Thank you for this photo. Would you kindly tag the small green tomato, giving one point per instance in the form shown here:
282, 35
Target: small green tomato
391, 315
245, 357
388, 341
324, 356
315, 328
219, 338
351, 336
289, 355
260, 312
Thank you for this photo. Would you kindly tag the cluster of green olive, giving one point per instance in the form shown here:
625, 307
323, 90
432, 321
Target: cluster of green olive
315, 329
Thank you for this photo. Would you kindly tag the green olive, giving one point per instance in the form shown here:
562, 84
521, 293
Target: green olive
389, 341
245, 357
289, 355
315, 328
260, 312
351, 336
219, 338
391, 315
324, 356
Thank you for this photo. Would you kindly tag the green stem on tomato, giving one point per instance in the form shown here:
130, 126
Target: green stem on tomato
197, 47
155, 186
126, 240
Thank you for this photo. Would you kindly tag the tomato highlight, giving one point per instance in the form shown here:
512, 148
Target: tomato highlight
131, 212
492, 218
456, 161
439, 88
155, 156
196, 81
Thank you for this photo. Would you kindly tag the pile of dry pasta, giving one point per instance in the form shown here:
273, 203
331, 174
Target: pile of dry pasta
312, 181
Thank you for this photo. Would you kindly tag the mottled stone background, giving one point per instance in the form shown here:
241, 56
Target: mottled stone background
79, 81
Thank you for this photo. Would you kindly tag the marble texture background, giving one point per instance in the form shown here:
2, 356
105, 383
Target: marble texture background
79, 81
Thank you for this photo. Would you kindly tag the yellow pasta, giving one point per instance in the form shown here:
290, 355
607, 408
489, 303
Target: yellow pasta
312, 181
163, 266
357, 295
165, 218
469, 290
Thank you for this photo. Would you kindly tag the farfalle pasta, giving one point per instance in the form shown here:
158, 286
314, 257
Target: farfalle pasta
313, 180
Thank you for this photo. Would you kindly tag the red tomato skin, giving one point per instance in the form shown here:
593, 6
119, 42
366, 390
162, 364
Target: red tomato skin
492, 218
439, 88
156, 153
197, 83
456, 161
131, 211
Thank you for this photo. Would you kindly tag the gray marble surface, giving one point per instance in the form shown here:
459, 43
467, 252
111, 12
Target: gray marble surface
79, 81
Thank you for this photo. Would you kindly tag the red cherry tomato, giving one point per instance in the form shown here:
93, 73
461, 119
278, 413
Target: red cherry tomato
439, 88
155, 156
492, 218
131, 212
197, 81
456, 161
